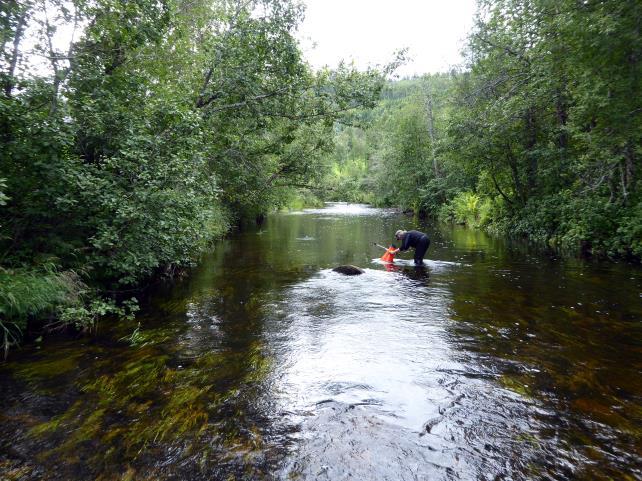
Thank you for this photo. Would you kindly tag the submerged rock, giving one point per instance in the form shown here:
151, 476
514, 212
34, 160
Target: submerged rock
349, 270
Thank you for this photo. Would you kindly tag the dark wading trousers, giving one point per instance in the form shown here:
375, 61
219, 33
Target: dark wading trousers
420, 250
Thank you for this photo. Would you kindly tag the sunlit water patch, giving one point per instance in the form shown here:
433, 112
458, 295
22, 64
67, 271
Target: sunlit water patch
431, 265
332, 209
365, 369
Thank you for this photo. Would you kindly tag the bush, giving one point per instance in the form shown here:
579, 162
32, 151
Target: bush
586, 224
629, 234
84, 316
469, 209
300, 199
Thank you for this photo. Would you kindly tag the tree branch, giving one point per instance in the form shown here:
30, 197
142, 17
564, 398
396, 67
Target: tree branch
257, 98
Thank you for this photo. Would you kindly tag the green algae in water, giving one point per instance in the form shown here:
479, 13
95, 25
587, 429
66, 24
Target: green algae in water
141, 335
517, 385
197, 405
150, 403
65, 360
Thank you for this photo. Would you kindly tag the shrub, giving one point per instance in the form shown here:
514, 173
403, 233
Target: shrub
629, 234
469, 209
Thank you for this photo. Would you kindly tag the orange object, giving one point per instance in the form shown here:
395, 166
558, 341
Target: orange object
389, 256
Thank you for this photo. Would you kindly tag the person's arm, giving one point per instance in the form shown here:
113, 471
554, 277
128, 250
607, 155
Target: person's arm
405, 243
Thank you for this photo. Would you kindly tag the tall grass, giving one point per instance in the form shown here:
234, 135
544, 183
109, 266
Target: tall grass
26, 294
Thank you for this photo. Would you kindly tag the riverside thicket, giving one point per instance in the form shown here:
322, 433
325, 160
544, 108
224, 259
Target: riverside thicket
539, 135
134, 133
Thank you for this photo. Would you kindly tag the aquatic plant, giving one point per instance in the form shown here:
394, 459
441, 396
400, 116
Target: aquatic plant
154, 404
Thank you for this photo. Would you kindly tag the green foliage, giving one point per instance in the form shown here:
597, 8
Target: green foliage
159, 126
25, 294
467, 208
163, 123
297, 199
540, 136
349, 167
84, 317
628, 239
405, 161
543, 128
62, 298
394, 154
136, 338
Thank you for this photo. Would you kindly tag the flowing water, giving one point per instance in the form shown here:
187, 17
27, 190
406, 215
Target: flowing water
494, 362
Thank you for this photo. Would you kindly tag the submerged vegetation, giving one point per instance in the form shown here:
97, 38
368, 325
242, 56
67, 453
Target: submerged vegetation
180, 409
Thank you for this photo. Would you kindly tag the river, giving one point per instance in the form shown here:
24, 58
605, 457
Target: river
496, 362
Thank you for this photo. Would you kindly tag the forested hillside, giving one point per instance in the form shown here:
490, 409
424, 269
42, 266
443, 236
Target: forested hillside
134, 133
538, 136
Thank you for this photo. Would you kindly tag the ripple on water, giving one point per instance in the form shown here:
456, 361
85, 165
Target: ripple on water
333, 209
365, 371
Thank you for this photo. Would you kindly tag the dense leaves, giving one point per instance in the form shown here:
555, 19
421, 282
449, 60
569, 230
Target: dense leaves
539, 136
136, 132
551, 112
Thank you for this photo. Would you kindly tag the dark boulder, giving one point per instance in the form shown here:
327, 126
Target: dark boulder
349, 270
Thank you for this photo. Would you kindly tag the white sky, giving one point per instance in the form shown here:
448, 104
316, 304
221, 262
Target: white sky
368, 32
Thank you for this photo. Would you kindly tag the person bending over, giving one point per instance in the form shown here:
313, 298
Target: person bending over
415, 239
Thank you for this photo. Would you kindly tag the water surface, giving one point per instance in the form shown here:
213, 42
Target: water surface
495, 362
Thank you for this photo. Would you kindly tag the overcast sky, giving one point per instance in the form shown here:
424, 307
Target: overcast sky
370, 31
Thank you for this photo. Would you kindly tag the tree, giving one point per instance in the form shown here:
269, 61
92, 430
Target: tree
157, 126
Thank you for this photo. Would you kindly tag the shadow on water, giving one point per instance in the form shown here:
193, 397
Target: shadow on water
490, 362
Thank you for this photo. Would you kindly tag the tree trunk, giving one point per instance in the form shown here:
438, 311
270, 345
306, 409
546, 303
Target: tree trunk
531, 141
431, 133
20, 27
54, 64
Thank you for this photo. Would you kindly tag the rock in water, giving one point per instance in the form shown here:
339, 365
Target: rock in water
349, 270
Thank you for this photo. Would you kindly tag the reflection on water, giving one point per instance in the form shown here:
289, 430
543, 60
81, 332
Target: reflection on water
378, 391
491, 362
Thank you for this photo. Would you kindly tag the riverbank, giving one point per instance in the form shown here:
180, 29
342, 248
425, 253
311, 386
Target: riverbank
616, 241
